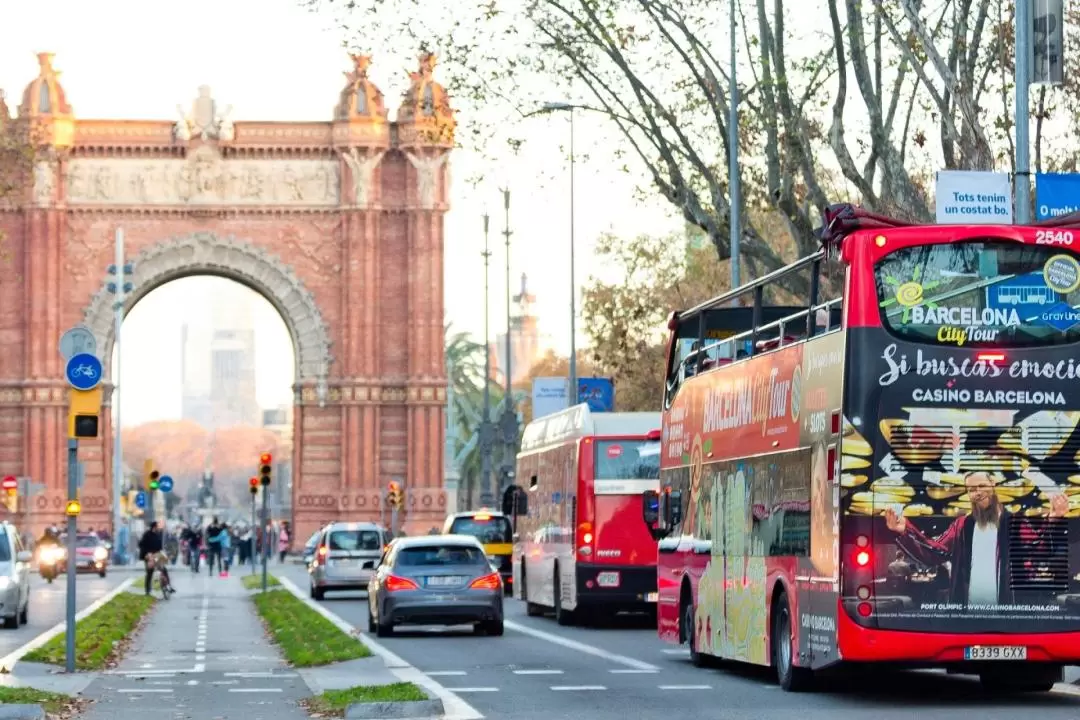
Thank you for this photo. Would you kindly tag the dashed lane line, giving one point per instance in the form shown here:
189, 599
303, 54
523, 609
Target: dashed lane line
447, 673
685, 687
538, 672
624, 671
255, 690
574, 688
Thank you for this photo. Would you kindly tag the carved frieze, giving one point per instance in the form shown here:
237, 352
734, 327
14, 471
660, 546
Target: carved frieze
427, 177
203, 178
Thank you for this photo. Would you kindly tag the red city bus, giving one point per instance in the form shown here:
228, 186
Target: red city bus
581, 539
896, 480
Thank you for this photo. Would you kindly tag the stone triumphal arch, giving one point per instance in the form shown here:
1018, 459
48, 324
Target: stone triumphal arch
339, 224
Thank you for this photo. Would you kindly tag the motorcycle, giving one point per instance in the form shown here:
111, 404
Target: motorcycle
50, 559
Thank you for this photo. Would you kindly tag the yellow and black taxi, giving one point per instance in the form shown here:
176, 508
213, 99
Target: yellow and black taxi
494, 531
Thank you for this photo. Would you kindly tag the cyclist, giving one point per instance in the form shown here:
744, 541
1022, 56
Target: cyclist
150, 544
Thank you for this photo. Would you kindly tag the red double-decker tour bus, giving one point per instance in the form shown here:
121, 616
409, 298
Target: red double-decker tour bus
580, 548
887, 472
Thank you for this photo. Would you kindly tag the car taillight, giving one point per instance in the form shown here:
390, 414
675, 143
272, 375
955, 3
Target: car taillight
320, 554
488, 582
395, 583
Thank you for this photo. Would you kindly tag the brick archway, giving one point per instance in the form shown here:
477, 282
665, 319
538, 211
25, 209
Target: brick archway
204, 253
337, 222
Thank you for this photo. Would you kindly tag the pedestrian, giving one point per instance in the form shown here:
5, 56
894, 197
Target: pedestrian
284, 541
150, 544
225, 544
213, 545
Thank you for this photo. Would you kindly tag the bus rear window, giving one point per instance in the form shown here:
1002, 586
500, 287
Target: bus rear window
986, 293
491, 529
627, 459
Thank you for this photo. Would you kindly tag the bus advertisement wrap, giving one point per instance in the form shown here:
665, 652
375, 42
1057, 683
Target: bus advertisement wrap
963, 469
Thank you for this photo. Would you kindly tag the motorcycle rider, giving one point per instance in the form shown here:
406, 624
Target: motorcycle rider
49, 540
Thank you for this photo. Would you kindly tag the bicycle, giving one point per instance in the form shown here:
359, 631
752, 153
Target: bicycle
161, 562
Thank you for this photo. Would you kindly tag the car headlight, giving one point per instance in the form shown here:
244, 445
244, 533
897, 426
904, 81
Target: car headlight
100, 553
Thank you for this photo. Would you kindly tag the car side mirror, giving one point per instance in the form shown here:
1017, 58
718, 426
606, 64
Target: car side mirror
24, 556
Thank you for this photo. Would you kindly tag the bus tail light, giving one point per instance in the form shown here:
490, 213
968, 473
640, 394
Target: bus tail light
991, 357
863, 592
835, 422
865, 609
395, 584
830, 462
585, 538
862, 554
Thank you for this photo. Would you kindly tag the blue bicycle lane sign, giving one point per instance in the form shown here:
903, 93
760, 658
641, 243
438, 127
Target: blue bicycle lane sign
83, 371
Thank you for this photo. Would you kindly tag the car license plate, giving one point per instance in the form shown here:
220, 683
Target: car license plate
608, 579
995, 652
442, 580
652, 597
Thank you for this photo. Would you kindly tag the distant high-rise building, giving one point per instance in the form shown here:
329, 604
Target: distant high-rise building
219, 364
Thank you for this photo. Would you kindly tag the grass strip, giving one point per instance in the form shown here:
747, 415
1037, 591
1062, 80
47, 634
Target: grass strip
97, 635
305, 637
51, 702
335, 701
254, 582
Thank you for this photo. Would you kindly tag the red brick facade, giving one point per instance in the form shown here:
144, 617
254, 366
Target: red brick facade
339, 224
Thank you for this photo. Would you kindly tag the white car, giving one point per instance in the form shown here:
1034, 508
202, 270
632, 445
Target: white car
14, 577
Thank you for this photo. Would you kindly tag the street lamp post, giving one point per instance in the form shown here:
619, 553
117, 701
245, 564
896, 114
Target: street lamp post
572, 381
486, 429
734, 201
119, 287
508, 420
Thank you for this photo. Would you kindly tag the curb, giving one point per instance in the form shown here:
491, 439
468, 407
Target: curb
23, 712
8, 662
395, 710
453, 707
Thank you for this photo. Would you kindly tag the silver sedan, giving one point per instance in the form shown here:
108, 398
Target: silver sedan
435, 580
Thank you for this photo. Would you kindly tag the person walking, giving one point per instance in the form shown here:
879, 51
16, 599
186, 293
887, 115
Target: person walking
150, 544
225, 545
284, 541
213, 546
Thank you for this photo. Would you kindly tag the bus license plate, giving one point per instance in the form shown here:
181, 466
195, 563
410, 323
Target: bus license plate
608, 579
652, 597
995, 652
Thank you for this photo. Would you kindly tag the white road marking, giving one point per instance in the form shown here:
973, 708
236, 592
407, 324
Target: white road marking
225, 682
143, 690
9, 660
580, 646
454, 708
538, 672
473, 689
633, 672
199, 668
254, 690
259, 674
570, 688
192, 682
685, 687
147, 665
447, 673
675, 652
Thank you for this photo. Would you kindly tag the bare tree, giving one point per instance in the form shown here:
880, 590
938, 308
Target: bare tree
17, 156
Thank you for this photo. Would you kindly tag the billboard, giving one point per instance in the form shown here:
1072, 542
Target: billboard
548, 396
598, 393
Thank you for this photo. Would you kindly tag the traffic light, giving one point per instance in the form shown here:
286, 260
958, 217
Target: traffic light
152, 475
394, 496
84, 413
254, 483
11, 493
265, 469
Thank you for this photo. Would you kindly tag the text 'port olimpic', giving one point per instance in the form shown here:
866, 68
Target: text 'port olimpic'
338, 224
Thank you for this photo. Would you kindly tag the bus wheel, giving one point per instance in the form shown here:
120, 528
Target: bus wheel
691, 637
531, 608
790, 677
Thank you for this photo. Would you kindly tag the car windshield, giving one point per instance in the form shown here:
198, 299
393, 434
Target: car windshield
5, 548
359, 540
436, 555
87, 541
488, 529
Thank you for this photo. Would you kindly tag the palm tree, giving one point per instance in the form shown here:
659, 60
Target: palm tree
465, 377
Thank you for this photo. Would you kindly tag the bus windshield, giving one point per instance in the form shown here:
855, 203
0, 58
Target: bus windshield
983, 293
627, 459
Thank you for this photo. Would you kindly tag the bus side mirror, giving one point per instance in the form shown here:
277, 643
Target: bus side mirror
674, 509
650, 507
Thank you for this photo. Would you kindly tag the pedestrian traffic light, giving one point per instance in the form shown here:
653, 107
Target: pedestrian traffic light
84, 413
152, 475
394, 495
265, 469
254, 483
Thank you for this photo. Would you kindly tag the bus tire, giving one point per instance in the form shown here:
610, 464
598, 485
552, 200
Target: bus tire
531, 608
686, 622
789, 676
562, 616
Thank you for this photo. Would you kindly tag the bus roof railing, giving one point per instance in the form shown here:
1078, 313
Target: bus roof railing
843, 219
760, 282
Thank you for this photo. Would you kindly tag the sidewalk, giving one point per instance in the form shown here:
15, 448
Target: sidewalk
203, 654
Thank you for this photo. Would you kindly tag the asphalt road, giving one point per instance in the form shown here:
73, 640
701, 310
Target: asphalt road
541, 671
47, 604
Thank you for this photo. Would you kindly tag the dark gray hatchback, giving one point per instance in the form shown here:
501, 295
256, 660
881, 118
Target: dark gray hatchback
435, 580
